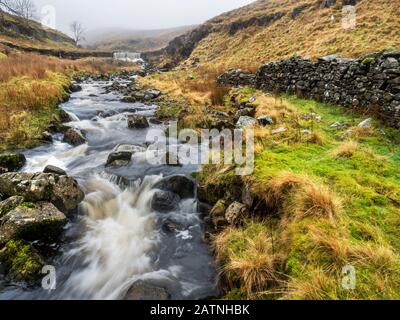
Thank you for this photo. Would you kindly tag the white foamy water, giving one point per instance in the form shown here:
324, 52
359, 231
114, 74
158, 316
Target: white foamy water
119, 239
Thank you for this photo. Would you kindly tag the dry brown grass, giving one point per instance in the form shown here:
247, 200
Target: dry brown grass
36, 67
254, 265
314, 200
313, 34
346, 149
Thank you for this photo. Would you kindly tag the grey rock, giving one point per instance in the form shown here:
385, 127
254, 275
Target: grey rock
11, 162
74, 137
137, 122
64, 192
165, 201
55, 170
265, 121
39, 221
245, 121
10, 204
140, 291
236, 213
279, 130
366, 123
181, 185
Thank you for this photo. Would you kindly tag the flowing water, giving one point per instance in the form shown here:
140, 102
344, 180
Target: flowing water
117, 239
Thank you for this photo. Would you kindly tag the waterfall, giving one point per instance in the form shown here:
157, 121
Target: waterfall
127, 56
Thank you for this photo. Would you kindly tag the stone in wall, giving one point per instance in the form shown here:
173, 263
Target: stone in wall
370, 83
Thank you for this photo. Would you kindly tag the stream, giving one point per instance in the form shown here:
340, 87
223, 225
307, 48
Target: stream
117, 239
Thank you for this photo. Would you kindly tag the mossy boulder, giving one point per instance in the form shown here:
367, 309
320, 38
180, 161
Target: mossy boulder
11, 162
10, 204
29, 221
64, 192
21, 262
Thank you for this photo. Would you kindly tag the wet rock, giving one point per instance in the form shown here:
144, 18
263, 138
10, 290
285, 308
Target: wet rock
21, 262
145, 291
55, 170
236, 213
245, 122
169, 227
75, 87
47, 137
265, 121
137, 122
11, 162
181, 185
122, 154
32, 221
217, 216
64, 192
155, 121
74, 137
165, 201
10, 204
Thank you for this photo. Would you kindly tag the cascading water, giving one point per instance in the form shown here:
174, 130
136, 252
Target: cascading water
117, 239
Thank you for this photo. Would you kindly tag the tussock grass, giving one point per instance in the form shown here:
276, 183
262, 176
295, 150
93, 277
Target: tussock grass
346, 150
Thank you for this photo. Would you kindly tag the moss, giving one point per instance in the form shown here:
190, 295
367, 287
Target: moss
368, 61
28, 205
21, 261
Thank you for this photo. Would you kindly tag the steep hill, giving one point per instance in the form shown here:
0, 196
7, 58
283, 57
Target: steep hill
133, 40
31, 34
275, 29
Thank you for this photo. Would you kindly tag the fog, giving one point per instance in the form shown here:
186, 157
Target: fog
133, 14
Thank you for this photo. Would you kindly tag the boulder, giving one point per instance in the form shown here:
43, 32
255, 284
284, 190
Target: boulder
366, 123
144, 291
11, 162
181, 185
165, 201
21, 262
152, 94
122, 154
217, 216
47, 137
170, 226
55, 170
31, 222
236, 213
245, 121
64, 192
137, 122
10, 204
74, 137
75, 87
265, 121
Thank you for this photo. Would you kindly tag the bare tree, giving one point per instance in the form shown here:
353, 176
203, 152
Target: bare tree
22, 8
78, 32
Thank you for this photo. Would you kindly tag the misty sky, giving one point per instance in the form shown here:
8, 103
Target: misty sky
136, 14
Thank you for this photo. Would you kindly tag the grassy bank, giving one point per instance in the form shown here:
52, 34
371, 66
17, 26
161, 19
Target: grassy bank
332, 195
31, 88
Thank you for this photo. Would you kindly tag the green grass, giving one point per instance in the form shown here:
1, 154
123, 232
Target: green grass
313, 249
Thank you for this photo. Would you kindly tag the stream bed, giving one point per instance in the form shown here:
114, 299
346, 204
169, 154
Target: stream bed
116, 239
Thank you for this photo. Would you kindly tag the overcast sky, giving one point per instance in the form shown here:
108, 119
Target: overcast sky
135, 14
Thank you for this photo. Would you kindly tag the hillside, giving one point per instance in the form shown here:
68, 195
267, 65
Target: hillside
133, 40
269, 30
30, 34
